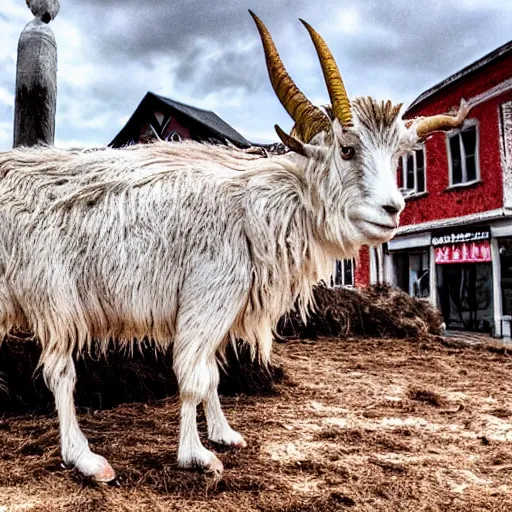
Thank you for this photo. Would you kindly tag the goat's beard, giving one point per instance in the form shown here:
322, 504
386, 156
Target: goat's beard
342, 237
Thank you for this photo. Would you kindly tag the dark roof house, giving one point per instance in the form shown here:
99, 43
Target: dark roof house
164, 118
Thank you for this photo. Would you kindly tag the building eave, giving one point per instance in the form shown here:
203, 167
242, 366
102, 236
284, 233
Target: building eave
474, 218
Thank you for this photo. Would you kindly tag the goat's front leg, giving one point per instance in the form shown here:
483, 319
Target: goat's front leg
196, 342
60, 376
219, 430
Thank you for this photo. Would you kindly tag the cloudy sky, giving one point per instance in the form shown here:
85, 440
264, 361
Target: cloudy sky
208, 54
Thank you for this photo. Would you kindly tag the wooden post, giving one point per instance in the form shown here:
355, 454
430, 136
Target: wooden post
36, 78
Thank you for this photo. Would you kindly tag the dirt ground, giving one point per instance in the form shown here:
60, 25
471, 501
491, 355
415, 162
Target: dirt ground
361, 425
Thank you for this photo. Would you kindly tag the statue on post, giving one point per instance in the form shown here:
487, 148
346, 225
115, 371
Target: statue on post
36, 77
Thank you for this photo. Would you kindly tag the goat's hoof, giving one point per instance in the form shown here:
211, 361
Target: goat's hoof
95, 466
106, 474
238, 442
205, 460
214, 466
232, 439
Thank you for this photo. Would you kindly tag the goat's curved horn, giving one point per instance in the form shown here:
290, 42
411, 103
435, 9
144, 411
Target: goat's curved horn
309, 120
337, 93
441, 122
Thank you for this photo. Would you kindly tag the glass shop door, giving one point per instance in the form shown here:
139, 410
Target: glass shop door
465, 296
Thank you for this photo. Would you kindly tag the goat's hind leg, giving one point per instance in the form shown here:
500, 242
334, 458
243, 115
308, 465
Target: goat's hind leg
219, 430
60, 376
192, 372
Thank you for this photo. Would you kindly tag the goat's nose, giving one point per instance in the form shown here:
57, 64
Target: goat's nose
392, 209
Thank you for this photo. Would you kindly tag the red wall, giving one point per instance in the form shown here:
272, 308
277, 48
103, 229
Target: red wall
362, 271
440, 203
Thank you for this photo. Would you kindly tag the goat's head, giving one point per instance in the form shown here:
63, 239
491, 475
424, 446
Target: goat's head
352, 148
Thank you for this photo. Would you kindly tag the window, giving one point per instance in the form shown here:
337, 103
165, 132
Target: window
411, 173
463, 156
344, 274
412, 272
419, 274
173, 137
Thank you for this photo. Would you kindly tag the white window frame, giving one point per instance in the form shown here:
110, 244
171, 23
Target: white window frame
409, 192
174, 136
343, 284
505, 117
469, 123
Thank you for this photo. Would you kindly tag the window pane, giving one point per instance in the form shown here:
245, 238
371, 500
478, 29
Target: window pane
410, 172
456, 161
424, 277
420, 171
401, 261
420, 180
348, 272
469, 140
471, 167
420, 158
399, 174
338, 277
414, 273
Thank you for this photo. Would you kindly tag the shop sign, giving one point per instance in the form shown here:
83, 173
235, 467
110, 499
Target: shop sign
467, 252
464, 236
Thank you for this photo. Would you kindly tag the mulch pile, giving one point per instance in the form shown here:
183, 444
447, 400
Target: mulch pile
377, 311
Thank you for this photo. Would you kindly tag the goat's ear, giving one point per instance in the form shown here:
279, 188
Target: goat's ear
317, 152
294, 144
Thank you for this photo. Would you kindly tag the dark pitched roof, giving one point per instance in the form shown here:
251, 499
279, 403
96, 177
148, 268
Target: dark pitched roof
486, 59
206, 118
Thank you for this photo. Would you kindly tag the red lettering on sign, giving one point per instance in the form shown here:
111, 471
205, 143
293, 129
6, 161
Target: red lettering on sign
468, 252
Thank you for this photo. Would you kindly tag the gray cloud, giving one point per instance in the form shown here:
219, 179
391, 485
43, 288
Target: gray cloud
161, 27
230, 68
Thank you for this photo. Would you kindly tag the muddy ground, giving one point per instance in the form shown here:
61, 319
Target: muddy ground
361, 425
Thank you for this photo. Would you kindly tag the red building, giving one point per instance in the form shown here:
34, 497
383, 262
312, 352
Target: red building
455, 240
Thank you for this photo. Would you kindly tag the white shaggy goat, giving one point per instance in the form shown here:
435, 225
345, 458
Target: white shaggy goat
193, 245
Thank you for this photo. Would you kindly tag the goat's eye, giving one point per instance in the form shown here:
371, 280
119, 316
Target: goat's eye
347, 152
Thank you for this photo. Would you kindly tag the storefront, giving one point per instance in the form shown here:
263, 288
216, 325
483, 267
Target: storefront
464, 278
466, 271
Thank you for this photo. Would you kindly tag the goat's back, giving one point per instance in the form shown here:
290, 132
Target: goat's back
100, 244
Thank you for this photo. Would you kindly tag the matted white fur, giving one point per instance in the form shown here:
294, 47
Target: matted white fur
185, 244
